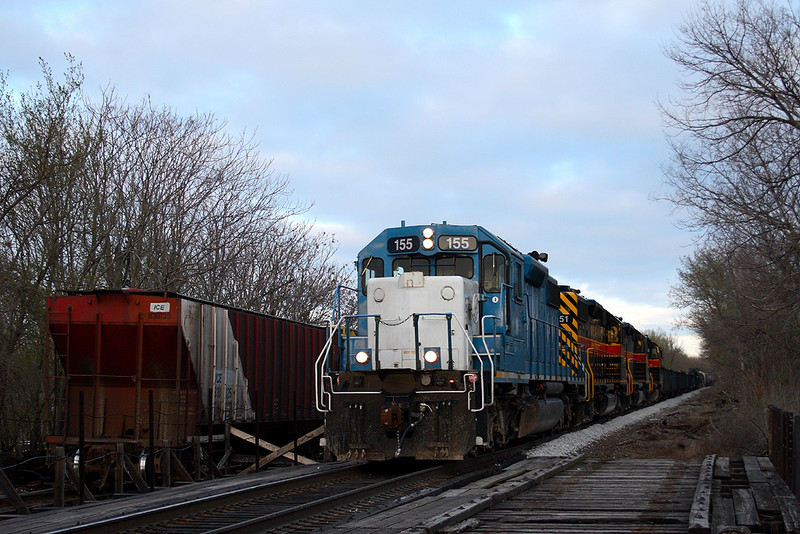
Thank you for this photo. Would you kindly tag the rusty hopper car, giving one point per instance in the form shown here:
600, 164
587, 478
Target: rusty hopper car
205, 364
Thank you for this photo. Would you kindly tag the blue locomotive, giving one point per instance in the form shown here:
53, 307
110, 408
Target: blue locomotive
462, 342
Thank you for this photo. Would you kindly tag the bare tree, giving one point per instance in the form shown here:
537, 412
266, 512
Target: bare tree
735, 138
736, 132
104, 194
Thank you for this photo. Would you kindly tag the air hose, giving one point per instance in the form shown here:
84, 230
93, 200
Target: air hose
402, 439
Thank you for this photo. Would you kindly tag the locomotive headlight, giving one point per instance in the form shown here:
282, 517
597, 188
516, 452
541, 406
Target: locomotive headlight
431, 356
427, 242
362, 357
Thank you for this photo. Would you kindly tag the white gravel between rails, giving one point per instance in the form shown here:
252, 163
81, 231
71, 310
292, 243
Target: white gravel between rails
574, 442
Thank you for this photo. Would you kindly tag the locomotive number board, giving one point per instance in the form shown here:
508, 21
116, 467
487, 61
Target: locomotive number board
406, 244
458, 242
398, 245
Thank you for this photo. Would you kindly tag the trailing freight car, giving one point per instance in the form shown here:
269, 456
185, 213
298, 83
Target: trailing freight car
205, 365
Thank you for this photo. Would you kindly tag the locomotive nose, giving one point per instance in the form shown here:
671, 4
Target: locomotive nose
392, 417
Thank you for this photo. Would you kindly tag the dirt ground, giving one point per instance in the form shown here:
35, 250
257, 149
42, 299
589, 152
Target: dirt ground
690, 430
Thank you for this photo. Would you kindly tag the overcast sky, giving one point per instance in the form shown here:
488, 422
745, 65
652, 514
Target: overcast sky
536, 120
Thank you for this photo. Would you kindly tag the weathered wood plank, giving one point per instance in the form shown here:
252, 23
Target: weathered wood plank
787, 503
612, 496
133, 472
281, 451
267, 446
790, 513
13, 496
753, 469
722, 467
745, 507
765, 500
700, 513
765, 463
75, 479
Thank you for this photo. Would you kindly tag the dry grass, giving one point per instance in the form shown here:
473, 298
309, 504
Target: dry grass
706, 424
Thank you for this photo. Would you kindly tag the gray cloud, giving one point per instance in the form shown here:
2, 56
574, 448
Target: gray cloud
533, 119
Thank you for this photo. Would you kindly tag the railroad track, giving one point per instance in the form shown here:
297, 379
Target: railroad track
312, 498
304, 502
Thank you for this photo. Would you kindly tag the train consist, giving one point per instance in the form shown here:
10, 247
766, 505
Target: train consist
203, 366
461, 342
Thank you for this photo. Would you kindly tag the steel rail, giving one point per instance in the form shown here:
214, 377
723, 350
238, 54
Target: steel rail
459, 474
424, 482
205, 503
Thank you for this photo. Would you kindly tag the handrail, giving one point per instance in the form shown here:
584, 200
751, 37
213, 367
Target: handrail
336, 313
486, 347
319, 390
484, 404
322, 395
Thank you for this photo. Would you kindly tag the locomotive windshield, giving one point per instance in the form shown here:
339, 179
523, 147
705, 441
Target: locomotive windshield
444, 265
441, 265
406, 264
455, 266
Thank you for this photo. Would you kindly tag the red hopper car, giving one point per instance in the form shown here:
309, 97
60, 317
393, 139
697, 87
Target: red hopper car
206, 365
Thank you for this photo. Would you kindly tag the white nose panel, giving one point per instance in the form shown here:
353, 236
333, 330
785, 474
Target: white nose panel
397, 299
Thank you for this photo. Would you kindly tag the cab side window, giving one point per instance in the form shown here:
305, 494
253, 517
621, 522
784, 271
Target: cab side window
493, 272
370, 268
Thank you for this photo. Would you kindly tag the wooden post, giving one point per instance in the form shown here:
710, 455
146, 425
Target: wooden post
119, 469
213, 470
296, 430
225, 460
81, 452
771, 446
150, 468
197, 459
210, 432
227, 456
167, 464
256, 427
796, 457
61, 459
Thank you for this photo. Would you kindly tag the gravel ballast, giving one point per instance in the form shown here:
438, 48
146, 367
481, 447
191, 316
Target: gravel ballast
577, 441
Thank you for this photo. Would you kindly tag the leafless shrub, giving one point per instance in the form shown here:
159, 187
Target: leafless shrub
105, 194
736, 171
